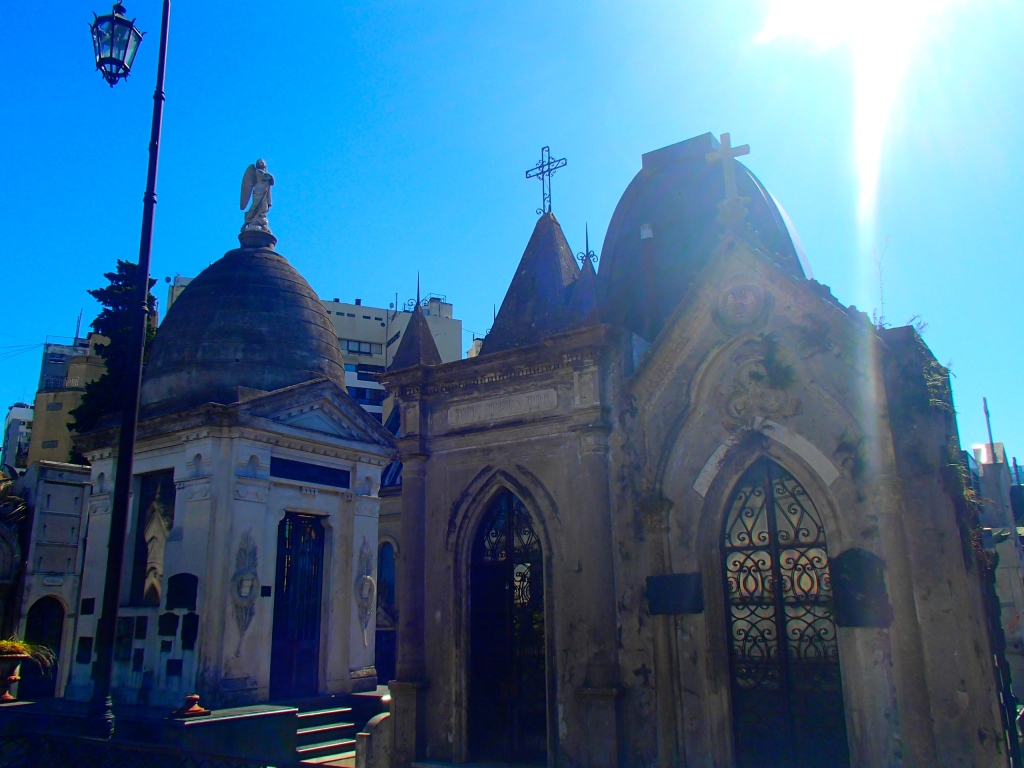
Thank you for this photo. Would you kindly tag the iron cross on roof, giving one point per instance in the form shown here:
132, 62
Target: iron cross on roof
725, 154
544, 170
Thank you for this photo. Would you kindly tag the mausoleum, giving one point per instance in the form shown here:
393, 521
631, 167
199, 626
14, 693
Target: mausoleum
251, 552
689, 510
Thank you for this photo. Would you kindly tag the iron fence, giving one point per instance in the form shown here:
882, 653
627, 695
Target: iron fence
63, 751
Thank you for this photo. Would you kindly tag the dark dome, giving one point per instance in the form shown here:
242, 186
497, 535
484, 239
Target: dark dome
677, 192
248, 320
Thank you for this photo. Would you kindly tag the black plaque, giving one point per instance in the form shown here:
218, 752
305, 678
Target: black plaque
167, 625
88, 606
84, 654
265, 591
675, 593
858, 587
181, 591
309, 473
189, 631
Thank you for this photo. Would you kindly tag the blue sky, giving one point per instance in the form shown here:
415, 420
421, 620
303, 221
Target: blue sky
399, 134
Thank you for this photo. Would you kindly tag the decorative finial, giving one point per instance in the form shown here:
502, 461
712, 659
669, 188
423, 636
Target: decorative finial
256, 184
544, 170
587, 255
417, 288
733, 209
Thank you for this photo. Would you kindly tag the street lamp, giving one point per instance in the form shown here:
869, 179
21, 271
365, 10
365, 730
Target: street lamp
116, 41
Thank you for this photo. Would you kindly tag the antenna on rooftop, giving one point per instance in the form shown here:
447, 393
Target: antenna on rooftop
78, 325
988, 423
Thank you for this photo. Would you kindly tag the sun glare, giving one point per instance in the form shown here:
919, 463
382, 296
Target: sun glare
881, 36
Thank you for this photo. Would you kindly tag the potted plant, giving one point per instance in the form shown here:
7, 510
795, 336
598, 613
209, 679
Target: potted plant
12, 653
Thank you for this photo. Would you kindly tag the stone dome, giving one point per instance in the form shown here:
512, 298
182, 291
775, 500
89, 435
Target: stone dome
677, 193
248, 320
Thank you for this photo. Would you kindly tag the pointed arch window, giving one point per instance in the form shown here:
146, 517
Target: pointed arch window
787, 695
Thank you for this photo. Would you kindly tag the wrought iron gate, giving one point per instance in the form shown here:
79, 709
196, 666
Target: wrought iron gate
787, 696
507, 685
295, 654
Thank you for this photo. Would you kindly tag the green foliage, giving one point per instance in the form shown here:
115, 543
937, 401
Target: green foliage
957, 483
778, 369
40, 654
936, 378
107, 394
13, 509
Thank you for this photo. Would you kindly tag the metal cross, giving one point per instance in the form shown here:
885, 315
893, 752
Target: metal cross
726, 154
544, 170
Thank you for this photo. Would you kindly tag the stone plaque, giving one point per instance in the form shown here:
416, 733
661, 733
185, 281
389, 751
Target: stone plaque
167, 625
497, 408
858, 587
675, 593
189, 631
182, 589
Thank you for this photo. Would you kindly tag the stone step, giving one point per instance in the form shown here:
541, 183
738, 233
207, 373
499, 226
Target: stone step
326, 732
326, 751
316, 717
347, 760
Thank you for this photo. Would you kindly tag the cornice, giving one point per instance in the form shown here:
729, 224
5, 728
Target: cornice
572, 349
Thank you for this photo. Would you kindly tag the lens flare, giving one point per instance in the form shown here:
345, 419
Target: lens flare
881, 36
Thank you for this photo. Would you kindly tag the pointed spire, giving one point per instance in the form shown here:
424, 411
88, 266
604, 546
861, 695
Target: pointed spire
582, 309
417, 346
535, 304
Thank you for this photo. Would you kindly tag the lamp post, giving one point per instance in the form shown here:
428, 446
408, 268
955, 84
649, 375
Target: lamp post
115, 42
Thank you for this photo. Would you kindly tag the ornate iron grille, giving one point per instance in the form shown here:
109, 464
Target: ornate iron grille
508, 704
787, 695
295, 659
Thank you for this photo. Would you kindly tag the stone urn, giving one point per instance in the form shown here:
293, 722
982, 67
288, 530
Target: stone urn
9, 663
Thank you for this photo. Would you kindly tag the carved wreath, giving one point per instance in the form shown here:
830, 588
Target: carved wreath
245, 586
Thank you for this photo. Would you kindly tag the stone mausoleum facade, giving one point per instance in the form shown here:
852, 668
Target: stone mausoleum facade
251, 553
688, 511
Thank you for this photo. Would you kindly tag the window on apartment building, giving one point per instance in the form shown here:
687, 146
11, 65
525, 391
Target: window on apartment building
363, 347
366, 396
366, 317
55, 406
348, 315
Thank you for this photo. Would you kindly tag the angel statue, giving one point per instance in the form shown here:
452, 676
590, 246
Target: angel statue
256, 184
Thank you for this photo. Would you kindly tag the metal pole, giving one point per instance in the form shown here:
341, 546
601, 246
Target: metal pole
101, 706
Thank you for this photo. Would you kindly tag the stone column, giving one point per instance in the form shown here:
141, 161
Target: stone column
655, 512
406, 692
599, 694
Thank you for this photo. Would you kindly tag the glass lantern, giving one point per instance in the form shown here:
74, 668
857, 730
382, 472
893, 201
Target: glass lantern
115, 41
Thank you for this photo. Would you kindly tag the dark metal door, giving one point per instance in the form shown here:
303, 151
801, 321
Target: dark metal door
507, 685
43, 626
295, 654
787, 693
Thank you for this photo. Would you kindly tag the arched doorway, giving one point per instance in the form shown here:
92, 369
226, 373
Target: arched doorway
44, 626
787, 694
507, 671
